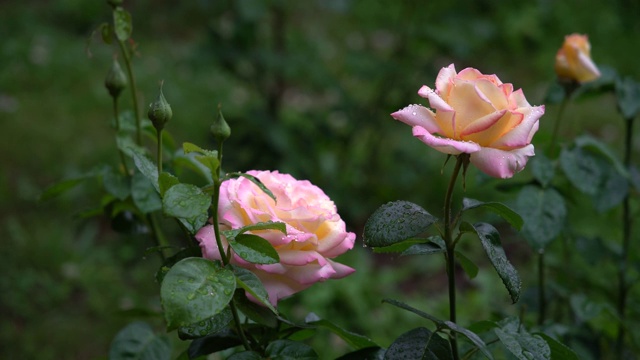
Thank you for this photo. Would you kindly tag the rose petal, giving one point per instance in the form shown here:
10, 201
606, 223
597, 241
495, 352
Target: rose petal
416, 115
444, 81
483, 123
469, 104
444, 145
521, 134
499, 163
588, 70
207, 240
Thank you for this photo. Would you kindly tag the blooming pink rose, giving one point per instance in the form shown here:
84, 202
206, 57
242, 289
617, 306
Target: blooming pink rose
573, 60
315, 231
479, 115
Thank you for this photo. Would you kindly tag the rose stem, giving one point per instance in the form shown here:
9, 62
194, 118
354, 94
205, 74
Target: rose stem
221, 249
450, 258
626, 240
115, 113
134, 96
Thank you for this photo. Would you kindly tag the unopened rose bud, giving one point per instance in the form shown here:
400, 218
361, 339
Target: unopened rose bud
573, 60
159, 111
220, 129
115, 81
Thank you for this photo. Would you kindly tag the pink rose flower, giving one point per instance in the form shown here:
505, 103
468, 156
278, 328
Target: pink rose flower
479, 115
315, 231
573, 60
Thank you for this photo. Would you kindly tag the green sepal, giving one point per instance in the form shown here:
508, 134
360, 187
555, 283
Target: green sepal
122, 25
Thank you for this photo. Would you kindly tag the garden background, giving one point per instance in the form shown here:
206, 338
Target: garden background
307, 88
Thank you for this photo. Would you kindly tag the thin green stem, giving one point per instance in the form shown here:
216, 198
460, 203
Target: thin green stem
117, 118
161, 240
159, 151
623, 287
134, 91
542, 310
450, 252
223, 254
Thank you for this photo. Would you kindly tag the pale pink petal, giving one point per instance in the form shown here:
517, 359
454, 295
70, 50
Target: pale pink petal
591, 71
483, 123
444, 81
499, 163
336, 243
517, 99
278, 287
445, 145
207, 240
435, 100
341, 270
521, 134
416, 115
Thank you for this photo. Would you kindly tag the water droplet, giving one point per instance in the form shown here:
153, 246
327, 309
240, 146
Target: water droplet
414, 113
191, 296
227, 292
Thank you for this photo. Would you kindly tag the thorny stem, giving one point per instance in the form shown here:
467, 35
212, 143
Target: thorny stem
450, 254
134, 91
626, 241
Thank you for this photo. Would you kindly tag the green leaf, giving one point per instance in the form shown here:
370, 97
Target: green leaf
61, 187
122, 23
429, 248
166, 181
195, 289
395, 222
467, 265
524, 346
194, 224
584, 308
213, 343
490, 239
612, 190
602, 151
116, 183
257, 313
400, 247
582, 168
559, 351
503, 210
188, 161
254, 249
354, 340
542, 168
267, 225
137, 341
290, 350
415, 344
146, 166
185, 201
210, 162
105, 33
144, 195
544, 214
628, 96
370, 353
193, 251
245, 355
254, 180
212, 325
475, 339
248, 281
188, 147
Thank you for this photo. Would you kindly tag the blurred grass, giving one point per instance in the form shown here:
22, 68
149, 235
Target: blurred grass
317, 108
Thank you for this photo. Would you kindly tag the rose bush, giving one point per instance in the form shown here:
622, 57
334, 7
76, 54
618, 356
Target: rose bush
479, 115
315, 231
573, 60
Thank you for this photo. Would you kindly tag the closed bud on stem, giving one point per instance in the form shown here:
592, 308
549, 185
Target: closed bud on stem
159, 111
220, 129
116, 80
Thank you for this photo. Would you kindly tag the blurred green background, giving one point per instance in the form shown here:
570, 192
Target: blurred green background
307, 88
